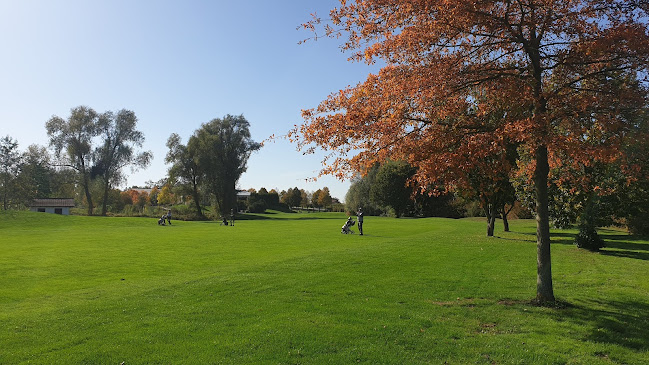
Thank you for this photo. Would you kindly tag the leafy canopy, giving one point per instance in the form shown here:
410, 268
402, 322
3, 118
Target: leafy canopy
464, 79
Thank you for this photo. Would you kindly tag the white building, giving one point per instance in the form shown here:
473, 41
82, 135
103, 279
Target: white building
55, 206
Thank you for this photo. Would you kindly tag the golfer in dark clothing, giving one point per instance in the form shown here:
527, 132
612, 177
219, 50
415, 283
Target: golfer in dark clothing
359, 214
169, 216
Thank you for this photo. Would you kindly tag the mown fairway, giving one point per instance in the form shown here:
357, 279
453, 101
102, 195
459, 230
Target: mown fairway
290, 289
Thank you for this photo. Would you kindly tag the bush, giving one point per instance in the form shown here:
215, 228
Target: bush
638, 225
184, 213
257, 206
129, 211
473, 209
338, 207
588, 239
445, 205
282, 207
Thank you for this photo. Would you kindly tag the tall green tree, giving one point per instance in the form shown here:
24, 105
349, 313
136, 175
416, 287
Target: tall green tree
315, 198
120, 140
390, 186
9, 168
72, 143
292, 197
490, 184
358, 195
223, 147
270, 198
324, 198
37, 177
185, 169
165, 197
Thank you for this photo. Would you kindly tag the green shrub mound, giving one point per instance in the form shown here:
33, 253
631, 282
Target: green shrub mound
588, 239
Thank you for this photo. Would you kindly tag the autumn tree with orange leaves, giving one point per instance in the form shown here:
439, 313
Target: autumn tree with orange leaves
544, 66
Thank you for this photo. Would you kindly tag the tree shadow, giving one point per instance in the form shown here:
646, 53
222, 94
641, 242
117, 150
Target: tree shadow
244, 217
627, 246
619, 245
514, 239
622, 323
563, 238
525, 233
627, 254
273, 216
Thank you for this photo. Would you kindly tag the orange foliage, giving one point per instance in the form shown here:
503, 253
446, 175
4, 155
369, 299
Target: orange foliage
465, 78
134, 195
126, 197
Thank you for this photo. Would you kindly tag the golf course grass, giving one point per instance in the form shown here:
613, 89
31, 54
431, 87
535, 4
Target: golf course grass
285, 288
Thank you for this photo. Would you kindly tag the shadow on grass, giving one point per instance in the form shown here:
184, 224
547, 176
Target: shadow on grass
296, 217
562, 238
625, 244
628, 254
614, 245
273, 216
622, 323
619, 245
514, 239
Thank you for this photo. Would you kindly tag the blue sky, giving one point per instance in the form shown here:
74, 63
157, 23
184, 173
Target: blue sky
176, 64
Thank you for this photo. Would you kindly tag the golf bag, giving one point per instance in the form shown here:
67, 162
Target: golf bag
348, 224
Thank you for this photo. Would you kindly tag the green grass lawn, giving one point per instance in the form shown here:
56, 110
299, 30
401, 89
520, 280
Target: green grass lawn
290, 289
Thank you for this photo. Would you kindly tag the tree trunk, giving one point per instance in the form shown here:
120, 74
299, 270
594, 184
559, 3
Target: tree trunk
5, 194
505, 221
197, 200
544, 291
104, 203
86, 189
491, 225
231, 196
491, 219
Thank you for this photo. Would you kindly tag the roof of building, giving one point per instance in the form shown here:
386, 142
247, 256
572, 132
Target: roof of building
56, 202
142, 190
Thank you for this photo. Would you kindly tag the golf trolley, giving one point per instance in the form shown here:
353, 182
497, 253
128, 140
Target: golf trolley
348, 224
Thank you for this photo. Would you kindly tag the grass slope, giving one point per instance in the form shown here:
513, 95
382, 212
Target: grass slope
290, 289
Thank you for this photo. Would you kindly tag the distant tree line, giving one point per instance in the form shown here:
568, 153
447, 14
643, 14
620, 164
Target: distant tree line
91, 150
587, 196
89, 153
206, 170
30, 174
292, 198
385, 190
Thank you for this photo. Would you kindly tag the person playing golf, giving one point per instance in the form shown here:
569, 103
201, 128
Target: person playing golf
359, 216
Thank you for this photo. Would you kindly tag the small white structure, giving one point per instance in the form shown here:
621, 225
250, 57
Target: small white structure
243, 195
54, 206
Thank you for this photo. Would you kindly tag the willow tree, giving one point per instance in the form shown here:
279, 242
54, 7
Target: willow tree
545, 63
118, 149
223, 147
72, 143
185, 169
